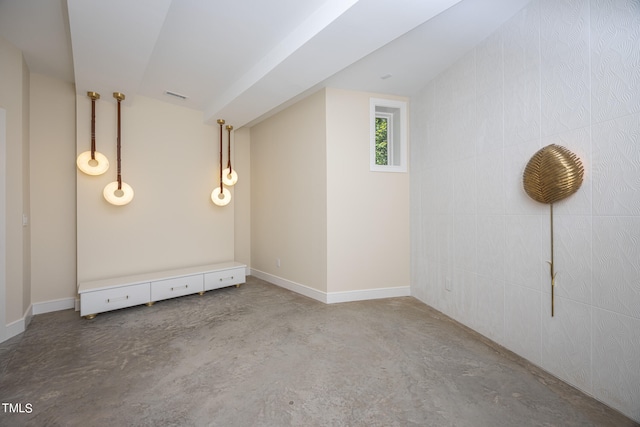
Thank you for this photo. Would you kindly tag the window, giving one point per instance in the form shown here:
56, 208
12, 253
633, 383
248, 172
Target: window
384, 128
388, 146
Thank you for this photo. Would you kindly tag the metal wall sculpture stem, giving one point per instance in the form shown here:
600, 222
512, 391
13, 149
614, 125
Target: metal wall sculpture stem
553, 274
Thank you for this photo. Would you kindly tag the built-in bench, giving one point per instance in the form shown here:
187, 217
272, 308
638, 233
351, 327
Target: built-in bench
98, 296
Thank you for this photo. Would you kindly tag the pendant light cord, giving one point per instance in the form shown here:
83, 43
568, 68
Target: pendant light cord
221, 122
93, 128
118, 149
229, 148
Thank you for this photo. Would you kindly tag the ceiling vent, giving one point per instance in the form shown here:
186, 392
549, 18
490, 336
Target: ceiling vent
177, 95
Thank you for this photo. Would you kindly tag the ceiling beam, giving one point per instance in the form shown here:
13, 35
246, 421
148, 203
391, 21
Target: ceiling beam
330, 40
307, 30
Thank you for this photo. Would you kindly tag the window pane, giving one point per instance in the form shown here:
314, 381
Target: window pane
381, 141
387, 135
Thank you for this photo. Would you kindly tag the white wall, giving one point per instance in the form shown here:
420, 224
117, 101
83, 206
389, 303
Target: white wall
14, 98
40, 256
288, 194
25, 189
53, 195
341, 232
241, 161
561, 72
367, 212
170, 158
3, 223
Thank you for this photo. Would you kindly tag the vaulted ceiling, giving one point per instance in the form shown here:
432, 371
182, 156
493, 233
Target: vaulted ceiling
244, 59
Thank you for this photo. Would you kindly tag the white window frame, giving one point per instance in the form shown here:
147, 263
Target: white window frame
396, 114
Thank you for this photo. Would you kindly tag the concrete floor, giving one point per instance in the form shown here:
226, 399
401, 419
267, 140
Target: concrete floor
260, 355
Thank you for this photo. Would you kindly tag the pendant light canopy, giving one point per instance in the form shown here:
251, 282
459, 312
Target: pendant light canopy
92, 162
118, 193
220, 195
229, 176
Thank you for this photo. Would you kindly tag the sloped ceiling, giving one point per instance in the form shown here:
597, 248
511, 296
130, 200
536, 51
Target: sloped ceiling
243, 59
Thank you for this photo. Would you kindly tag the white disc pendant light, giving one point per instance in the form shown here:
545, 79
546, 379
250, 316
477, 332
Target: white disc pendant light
221, 198
92, 162
220, 195
118, 196
118, 193
229, 176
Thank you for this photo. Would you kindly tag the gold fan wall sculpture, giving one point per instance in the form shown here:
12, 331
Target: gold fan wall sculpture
552, 174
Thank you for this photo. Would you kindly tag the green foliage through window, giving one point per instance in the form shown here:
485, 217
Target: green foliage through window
381, 141
387, 135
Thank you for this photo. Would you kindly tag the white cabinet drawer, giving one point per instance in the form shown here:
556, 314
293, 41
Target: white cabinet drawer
177, 287
223, 278
97, 296
114, 298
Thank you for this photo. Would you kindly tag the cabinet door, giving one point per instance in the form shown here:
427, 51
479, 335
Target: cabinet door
177, 287
223, 278
114, 298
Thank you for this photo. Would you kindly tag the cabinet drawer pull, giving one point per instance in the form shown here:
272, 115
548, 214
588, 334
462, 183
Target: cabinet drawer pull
226, 278
179, 287
117, 299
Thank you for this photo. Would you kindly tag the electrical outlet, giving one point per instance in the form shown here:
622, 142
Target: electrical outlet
278, 262
447, 284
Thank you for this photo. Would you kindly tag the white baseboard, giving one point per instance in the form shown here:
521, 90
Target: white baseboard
333, 297
368, 294
28, 316
19, 326
55, 305
15, 328
292, 286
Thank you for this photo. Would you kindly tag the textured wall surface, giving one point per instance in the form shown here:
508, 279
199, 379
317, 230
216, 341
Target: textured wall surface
560, 72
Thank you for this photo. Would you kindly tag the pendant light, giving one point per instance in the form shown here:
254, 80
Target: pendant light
229, 176
118, 193
221, 196
92, 162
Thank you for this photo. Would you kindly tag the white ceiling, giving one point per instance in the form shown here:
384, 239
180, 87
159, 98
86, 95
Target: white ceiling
244, 59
